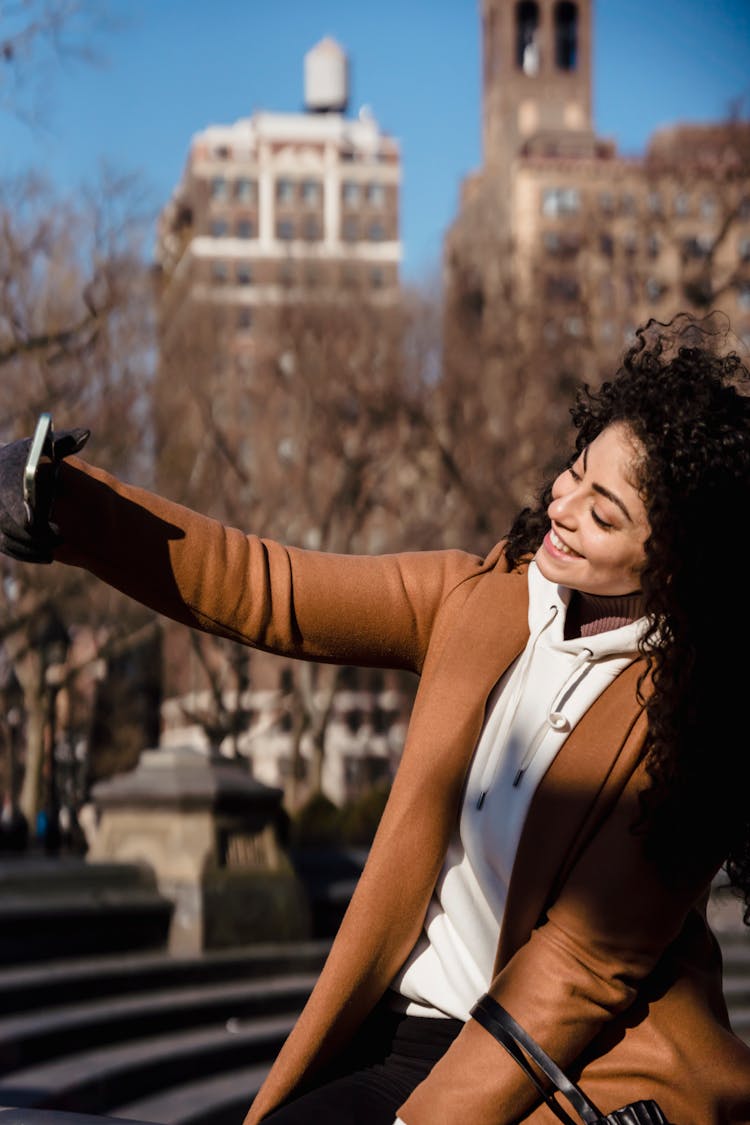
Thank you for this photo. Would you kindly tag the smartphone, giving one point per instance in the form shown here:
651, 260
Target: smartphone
40, 451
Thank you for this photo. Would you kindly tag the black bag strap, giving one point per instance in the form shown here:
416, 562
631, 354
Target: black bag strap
494, 1018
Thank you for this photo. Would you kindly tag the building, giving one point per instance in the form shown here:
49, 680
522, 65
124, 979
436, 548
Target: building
594, 242
279, 204
280, 224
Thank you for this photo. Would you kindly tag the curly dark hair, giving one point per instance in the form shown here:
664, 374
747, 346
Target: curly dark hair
686, 398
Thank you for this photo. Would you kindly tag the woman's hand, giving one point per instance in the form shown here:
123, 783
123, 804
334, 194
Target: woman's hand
19, 538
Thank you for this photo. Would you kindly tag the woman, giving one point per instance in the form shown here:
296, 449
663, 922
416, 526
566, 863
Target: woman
575, 772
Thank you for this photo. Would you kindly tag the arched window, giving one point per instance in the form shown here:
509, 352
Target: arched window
527, 37
566, 35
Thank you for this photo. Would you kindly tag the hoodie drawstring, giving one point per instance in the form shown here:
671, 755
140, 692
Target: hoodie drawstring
488, 775
555, 717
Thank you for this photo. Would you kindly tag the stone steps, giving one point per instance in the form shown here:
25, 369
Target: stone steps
161, 1040
185, 1038
50, 983
38, 1036
217, 1100
97, 1080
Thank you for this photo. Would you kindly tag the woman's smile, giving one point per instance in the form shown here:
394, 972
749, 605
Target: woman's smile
557, 545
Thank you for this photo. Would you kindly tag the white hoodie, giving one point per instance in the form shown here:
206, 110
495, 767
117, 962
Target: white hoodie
529, 715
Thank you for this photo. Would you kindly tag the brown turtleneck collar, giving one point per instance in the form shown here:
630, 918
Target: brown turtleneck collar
589, 614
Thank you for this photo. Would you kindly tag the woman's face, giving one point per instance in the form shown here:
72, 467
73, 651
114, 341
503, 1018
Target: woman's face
599, 525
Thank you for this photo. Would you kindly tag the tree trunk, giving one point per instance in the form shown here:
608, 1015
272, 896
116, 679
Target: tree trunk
36, 721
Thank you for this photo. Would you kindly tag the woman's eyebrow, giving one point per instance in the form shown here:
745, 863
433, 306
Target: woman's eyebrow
605, 492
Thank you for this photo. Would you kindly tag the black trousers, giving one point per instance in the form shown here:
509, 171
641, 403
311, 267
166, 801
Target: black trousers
390, 1055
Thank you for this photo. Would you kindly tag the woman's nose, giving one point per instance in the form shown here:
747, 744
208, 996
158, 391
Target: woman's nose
562, 506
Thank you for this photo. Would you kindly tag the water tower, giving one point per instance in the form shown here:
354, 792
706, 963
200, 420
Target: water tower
326, 78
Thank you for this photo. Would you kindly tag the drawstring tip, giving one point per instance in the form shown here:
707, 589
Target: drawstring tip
480, 802
517, 778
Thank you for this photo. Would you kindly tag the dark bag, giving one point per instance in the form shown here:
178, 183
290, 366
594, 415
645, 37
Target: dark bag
516, 1041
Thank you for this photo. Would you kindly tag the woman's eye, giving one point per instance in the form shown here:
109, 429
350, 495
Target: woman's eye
600, 522
574, 474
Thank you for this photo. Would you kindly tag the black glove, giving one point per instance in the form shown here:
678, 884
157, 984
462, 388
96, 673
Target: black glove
19, 538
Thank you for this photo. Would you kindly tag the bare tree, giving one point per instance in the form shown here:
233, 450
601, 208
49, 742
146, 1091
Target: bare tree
703, 172
35, 34
74, 340
303, 429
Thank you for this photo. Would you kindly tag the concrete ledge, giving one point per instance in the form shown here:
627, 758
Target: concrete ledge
52, 908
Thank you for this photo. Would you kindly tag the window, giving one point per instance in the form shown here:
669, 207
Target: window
681, 204
219, 228
566, 36
219, 272
222, 152
377, 278
607, 202
562, 288
285, 229
218, 188
743, 295
560, 201
559, 244
527, 37
244, 317
350, 230
350, 193
627, 204
245, 190
376, 194
285, 191
311, 192
708, 207
353, 719
655, 289
744, 249
630, 243
311, 229
245, 228
655, 203
376, 233
244, 273
696, 248
653, 246
607, 245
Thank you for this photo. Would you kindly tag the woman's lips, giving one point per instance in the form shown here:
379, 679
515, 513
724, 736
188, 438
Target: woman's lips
557, 547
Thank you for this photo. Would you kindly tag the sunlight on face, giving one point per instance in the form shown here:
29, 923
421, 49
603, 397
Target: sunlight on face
598, 520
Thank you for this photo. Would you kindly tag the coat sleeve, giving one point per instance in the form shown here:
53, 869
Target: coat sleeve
581, 968
368, 610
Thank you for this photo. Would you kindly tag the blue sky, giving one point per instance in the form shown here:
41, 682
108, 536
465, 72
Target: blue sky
168, 68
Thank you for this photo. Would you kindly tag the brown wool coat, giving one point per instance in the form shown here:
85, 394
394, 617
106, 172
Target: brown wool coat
615, 973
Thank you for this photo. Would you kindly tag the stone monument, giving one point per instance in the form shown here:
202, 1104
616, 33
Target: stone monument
211, 834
